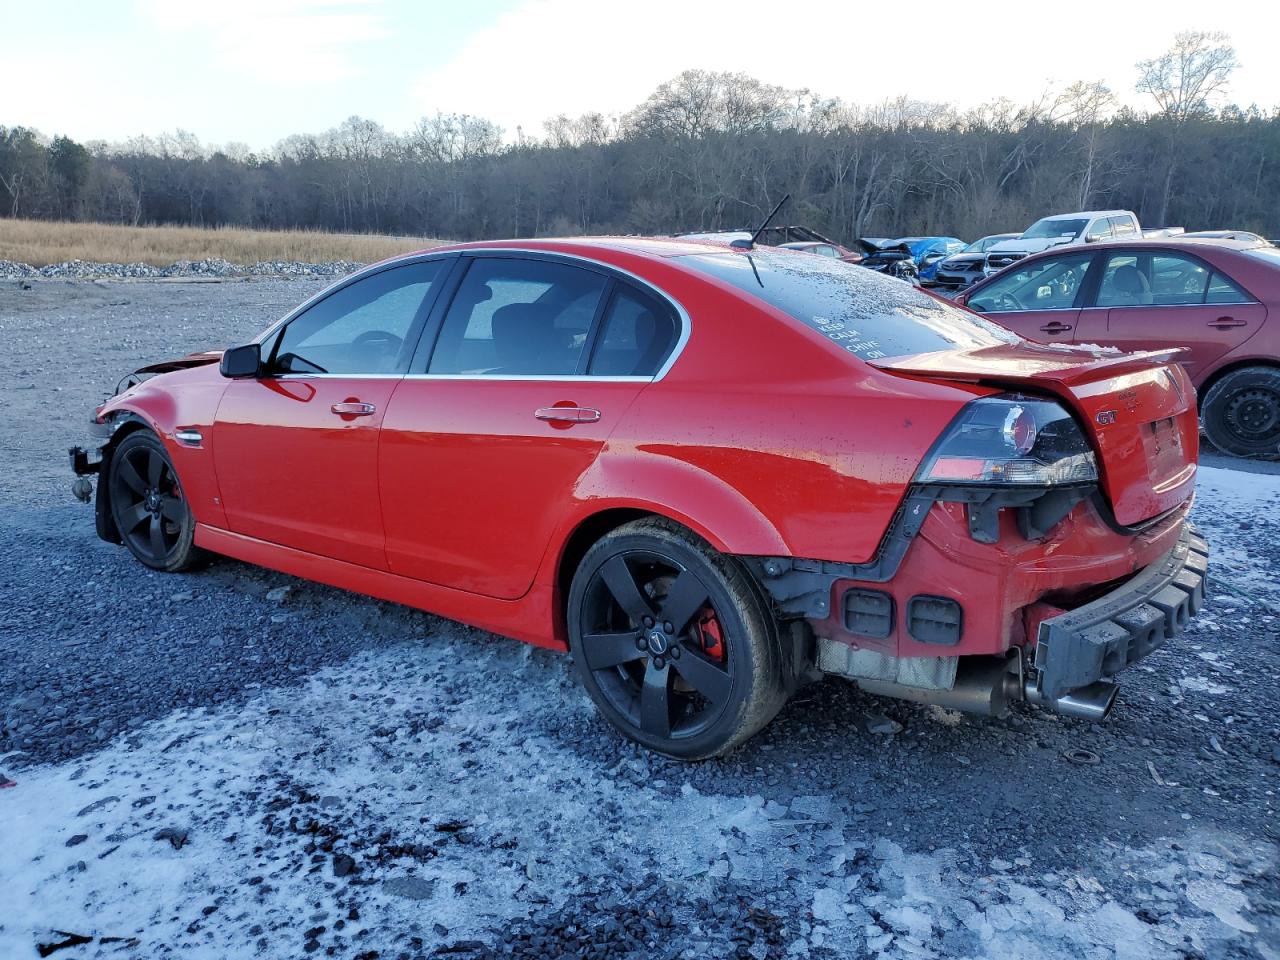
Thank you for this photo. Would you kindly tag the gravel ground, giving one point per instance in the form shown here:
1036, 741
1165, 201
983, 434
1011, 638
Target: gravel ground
236, 763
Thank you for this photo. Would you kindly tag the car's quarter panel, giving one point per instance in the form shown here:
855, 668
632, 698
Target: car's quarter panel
473, 482
295, 471
182, 400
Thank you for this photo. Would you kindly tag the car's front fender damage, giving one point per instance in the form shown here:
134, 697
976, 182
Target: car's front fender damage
974, 601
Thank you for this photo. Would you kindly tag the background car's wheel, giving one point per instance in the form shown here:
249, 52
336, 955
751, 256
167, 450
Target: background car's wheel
1241, 413
147, 504
673, 641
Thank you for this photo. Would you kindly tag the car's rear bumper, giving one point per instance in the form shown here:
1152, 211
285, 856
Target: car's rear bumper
1096, 641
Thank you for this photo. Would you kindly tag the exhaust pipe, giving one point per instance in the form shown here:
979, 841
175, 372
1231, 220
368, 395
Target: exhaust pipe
1093, 702
984, 685
987, 685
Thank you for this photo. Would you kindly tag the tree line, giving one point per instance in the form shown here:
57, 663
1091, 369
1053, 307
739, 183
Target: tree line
705, 151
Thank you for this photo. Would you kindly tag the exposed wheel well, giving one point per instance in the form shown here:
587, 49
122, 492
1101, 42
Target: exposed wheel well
581, 540
106, 525
1217, 375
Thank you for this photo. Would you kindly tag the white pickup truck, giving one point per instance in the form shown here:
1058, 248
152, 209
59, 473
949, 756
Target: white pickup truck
1068, 229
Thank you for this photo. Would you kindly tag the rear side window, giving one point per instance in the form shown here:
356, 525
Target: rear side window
514, 317
866, 313
637, 335
1123, 226
1164, 280
1223, 290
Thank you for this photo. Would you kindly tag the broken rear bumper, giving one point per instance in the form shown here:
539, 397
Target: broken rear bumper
1099, 639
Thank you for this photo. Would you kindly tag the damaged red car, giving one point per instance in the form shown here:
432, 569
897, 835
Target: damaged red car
710, 474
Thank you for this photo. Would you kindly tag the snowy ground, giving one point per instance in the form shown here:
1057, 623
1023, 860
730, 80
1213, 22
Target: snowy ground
204, 770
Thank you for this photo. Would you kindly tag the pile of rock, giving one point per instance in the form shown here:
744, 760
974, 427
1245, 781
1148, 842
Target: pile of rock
212, 267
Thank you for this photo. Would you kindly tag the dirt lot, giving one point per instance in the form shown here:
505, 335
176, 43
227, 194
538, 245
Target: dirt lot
236, 763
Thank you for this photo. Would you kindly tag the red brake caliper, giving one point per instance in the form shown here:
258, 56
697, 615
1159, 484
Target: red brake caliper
710, 636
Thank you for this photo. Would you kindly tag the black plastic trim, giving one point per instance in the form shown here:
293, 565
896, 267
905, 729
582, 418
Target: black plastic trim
1099, 639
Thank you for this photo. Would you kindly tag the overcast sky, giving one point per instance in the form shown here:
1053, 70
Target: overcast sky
254, 71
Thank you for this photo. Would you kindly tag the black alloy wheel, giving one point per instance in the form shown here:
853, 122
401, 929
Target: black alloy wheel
673, 641
150, 512
1241, 413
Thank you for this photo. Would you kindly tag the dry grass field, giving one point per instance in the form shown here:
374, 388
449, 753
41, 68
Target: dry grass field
40, 243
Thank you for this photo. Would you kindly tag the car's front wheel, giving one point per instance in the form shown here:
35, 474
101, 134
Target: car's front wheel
673, 641
147, 504
1241, 413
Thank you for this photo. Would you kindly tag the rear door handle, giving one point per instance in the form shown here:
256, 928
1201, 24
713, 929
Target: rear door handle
1056, 327
1223, 322
353, 408
567, 414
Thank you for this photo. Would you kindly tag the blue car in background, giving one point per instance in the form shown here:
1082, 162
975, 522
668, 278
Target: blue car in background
925, 253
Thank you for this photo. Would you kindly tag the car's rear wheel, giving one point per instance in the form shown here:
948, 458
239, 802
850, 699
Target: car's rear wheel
673, 641
151, 514
1241, 413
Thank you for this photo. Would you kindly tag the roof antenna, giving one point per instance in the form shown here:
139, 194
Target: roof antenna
750, 244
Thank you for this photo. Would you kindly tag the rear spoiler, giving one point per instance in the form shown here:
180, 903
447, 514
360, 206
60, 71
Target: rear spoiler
1032, 363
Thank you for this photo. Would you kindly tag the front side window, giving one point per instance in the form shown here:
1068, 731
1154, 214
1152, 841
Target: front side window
513, 317
362, 328
637, 335
863, 312
1049, 284
1100, 230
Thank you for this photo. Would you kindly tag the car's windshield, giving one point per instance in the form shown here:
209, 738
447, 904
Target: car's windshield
1050, 227
866, 313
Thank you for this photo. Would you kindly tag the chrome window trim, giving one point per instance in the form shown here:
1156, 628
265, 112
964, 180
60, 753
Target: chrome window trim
686, 322
529, 377
552, 378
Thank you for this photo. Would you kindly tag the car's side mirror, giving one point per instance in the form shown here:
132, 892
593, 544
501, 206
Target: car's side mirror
1093, 238
242, 362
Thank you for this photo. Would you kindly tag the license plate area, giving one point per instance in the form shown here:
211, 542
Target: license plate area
1163, 442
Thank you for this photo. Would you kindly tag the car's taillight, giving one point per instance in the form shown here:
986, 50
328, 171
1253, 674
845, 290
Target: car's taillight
1011, 440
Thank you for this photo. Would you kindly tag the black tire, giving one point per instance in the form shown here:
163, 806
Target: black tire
150, 512
1241, 413
711, 671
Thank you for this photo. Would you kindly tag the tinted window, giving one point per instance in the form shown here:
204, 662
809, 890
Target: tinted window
1049, 284
1100, 230
1122, 226
866, 313
518, 317
1222, 290
1144, 279
637, 335
363, 327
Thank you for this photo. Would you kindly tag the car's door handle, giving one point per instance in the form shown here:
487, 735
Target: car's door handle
1223, 322
567, 414
353, 408
1056, 327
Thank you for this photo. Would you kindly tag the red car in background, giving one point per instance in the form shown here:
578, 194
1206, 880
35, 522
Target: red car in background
1211, 296
711, 474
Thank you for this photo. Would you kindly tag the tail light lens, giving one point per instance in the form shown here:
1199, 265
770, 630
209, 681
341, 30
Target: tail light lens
1012, 440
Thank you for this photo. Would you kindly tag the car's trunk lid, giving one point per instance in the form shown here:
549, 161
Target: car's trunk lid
1139, 409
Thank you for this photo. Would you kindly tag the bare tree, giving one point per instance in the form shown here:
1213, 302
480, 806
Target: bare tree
1187, 78
1184, 81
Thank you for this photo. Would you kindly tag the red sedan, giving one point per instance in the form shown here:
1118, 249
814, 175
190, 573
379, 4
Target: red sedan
711, 474
1218, 298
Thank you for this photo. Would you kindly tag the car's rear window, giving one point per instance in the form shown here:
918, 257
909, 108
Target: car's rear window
870, 315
